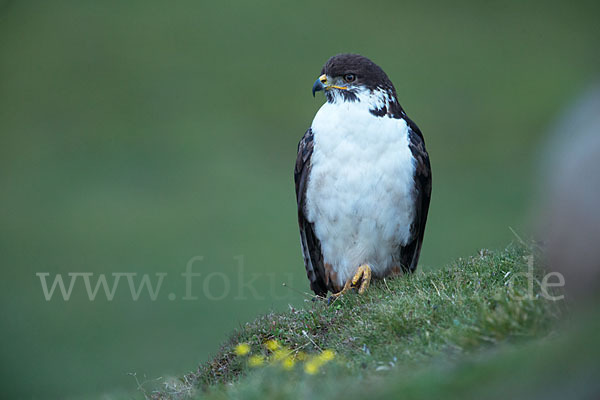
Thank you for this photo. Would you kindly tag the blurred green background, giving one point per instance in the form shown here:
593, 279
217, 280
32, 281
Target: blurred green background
136, 135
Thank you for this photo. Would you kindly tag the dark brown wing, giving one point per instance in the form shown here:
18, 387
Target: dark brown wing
409, 254
311, 247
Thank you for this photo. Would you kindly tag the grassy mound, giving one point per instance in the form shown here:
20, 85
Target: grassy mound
401, 329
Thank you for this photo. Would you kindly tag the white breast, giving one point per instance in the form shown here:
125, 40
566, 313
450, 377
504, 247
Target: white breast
360, 194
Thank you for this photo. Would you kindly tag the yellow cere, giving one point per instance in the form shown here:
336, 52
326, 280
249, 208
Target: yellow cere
323, 79
256, 361
242, 349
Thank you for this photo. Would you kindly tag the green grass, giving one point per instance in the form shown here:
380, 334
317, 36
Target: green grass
400, 327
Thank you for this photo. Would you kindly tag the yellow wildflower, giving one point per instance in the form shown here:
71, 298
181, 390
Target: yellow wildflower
327, 355
272, 345
280, 355
288, 363
312, 367
242, 349
256, 360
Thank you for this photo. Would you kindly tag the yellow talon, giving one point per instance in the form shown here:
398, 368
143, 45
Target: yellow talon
362, 276
347, 287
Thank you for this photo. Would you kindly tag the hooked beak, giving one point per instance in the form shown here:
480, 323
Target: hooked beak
321, 84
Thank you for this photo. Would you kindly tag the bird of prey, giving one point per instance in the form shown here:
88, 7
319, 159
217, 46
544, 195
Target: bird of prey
363, 181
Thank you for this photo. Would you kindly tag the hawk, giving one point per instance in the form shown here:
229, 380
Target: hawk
363, 181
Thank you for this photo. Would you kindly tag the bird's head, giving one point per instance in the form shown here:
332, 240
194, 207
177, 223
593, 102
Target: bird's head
352, 77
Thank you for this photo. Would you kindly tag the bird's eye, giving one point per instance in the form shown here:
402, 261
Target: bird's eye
349, 78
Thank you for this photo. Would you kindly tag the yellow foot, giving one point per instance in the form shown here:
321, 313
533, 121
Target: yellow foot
360, 280
362, 276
